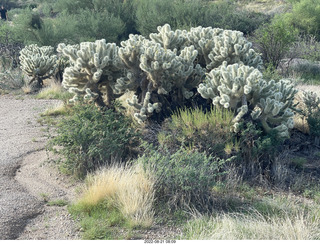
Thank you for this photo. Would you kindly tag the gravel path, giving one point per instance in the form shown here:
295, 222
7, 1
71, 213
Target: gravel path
25, 186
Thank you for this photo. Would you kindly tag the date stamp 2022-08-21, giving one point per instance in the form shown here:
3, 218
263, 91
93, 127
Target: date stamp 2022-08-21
159, 241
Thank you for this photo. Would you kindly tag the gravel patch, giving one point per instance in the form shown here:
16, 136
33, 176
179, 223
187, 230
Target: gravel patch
21, 153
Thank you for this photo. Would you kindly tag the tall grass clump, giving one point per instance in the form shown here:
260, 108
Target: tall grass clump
301, 225
91, 137
207, 131
54, 91
129, 189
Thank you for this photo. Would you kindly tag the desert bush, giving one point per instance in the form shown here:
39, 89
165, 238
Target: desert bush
128, 188
257, 151
312, 112
9, 47
25, 26
90, 138
307, 71
305, 16
205, 131
98, 25
300, 225
227, 15
274, 41
54, 31
308, 48
184, 178
186, 14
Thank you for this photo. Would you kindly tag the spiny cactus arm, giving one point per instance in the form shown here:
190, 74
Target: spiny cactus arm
232, 47
129, 53
202, 39
227, 84
38, 62
145, 109
173, 40
68, 51
157, 63
243, 110
131, 49
241, 88
95, 66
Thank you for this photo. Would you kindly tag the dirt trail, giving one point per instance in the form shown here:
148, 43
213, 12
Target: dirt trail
24, 184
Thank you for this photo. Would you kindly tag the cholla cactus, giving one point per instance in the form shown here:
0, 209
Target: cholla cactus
38, 62
173, 40
163, 71
94, 68
216, 46
163, 78
242, 89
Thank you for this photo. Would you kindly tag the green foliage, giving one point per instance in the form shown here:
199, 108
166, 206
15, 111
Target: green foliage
205, 131
298, 162
90, 138
312, 112
185, 14
93, 26
305, 16
307, 71
257, 150
99, 222
184, 177
227, 15
26, 24
154, 13
53, 31
309, 48
274, 41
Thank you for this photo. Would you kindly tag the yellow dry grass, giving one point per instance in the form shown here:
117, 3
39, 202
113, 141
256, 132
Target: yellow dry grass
51, 91
300, 226
130, 189
57, 109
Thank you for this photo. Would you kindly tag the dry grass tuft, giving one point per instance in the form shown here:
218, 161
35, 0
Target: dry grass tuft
27, 89
54, 90
129, 188
58, 109
301, 225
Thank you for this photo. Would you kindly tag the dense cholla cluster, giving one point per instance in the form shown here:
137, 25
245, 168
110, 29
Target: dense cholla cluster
163, 71
38, 62
94, 68
167, 71
242, 89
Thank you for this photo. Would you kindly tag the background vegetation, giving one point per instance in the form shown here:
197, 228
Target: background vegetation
190, 172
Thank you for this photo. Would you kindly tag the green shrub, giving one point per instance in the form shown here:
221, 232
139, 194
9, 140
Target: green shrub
227, 15
93, 26
185, 14
90, 138
312, 112
274, 41
307, 71
153, 13
305, 16
183, 178
257, 150
206, 131
25, 25
308, 48
54, 31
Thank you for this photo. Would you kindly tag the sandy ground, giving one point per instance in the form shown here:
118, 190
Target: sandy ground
27, 183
